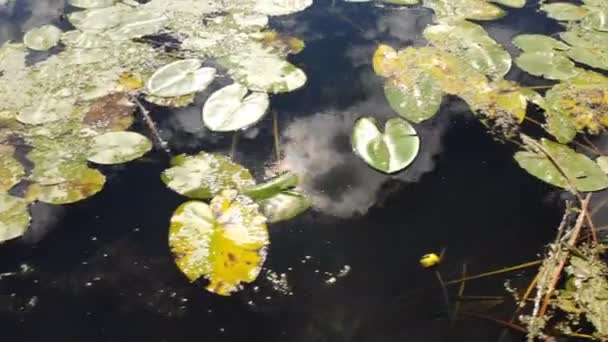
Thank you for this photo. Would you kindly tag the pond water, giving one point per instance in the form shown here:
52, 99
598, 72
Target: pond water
347, 270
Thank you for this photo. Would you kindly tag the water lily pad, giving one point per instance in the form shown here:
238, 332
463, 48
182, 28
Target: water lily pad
85, 40
281, 7
560, 125
594, 57
50, 107
224, 242
14, 217
390, 151
11, 171
553, 65
138, 23
284, 206
584, 99
110, 113
204, 175
264, 72
473, 44
457, 10
386, 61
415, 98
91, 3
180, 78
118, 147
42, 38
501, 99
561, 166
597, 19
564, 11
83, 183
602, 162
98, 19
511, 3
231, 109
538, 42
272, 187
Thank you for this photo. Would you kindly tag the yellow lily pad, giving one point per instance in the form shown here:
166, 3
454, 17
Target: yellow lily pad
224, 242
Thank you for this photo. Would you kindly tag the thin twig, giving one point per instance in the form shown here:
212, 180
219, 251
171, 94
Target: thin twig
590, 143
151, 125
444, 290
277, 142
235, 142
500, 271
564, 257
460, 292
496, 320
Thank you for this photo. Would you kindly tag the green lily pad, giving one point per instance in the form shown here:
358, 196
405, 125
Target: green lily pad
284, 206
91, 3
390, 151
98, 19
538, 42
264, 72
42, 38
11, 170
602, 162
597, 19
231, 109
14, 217
84, 183
511, 3
204, 175
281, 7
584, 99
552, 65
564, 11
272, 187
473, 44
85, 40
180, 78
561, 166
415, 98
118, 147
457, 10
594, 57
402, 2
224, 242
560, 125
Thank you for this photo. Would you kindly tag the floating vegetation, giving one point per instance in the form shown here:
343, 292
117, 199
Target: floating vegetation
226, 241
76, 106
463, 60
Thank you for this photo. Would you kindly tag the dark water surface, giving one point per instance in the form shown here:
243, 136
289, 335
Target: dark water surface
100, 270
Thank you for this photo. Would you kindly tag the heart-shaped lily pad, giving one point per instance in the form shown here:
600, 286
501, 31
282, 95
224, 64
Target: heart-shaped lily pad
118, 147
390, 151
180, 78
231, 109
225, 242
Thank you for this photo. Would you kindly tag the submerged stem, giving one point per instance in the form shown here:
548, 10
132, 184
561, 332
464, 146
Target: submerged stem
151, 125
275, 130
235, 142
500, 271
